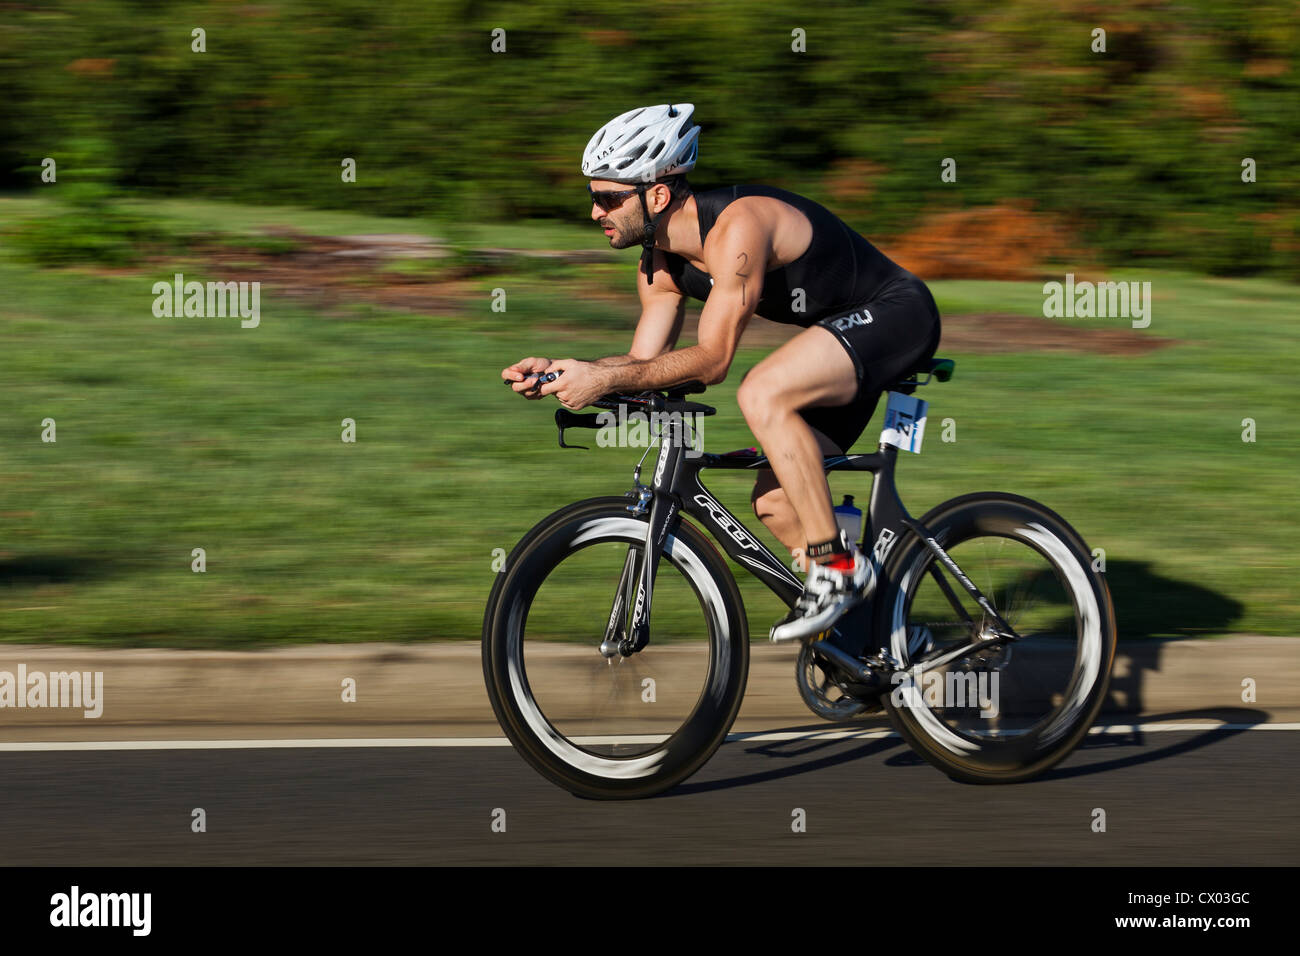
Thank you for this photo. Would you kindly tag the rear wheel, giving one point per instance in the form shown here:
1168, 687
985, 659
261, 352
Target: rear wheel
1011, 711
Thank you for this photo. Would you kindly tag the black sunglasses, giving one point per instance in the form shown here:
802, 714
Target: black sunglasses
610, 200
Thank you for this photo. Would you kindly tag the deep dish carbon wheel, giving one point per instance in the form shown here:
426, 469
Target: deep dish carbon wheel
620, 727
1008, 713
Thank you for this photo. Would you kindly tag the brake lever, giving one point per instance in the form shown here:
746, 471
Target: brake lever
560, 426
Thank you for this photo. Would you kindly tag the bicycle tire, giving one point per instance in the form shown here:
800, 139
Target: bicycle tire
574, 767
1024, 753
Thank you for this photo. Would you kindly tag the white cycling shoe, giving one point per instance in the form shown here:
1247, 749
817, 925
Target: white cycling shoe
827, 594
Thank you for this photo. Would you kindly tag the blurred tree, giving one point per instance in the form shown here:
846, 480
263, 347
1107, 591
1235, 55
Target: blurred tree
1138, 149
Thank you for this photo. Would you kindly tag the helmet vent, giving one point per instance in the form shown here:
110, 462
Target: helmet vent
631, 159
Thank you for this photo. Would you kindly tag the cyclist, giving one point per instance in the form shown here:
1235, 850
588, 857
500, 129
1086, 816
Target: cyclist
749, 250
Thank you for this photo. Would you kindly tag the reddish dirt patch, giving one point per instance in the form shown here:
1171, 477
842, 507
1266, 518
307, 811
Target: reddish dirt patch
430, 298
91, 67
333, 270
1008, 241
328, 271
985, 333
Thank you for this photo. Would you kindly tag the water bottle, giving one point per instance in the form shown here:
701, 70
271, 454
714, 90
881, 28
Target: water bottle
849, 519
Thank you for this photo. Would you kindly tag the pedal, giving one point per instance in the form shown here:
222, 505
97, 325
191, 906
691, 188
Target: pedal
771, 636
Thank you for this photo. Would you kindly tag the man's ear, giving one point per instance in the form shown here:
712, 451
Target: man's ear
666, 192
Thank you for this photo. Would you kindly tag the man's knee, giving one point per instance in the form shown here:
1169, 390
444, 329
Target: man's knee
759, 396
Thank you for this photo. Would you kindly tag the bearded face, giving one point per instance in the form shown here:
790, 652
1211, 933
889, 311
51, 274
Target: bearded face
622, 224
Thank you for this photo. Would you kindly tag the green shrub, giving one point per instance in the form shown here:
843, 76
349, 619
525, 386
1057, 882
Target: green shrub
104, 235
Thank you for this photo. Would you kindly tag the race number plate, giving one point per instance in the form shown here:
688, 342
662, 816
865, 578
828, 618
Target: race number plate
904, 422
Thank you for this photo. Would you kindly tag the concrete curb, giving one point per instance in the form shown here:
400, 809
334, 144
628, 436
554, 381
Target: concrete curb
438, 689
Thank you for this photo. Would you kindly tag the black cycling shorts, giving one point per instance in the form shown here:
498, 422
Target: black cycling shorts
887, 338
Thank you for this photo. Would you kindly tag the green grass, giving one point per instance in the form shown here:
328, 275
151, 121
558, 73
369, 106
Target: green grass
183, 216
233, 217
175, 434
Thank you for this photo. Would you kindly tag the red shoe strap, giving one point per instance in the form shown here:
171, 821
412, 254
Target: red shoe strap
843, 562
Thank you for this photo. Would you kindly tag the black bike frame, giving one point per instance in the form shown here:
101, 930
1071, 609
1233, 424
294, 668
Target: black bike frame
676, 489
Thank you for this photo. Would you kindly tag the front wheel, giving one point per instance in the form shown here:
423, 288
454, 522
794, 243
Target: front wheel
616, 727
1006, 713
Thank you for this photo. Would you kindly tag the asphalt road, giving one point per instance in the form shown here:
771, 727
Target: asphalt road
1223, 797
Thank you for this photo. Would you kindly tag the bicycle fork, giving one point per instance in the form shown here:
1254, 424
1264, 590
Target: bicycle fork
636, 585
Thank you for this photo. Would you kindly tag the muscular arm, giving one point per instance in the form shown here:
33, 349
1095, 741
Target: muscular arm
663, 309
735, 255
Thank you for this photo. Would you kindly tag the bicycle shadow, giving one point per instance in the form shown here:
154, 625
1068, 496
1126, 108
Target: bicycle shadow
1134, 738
793, 749
1240, 719
1151, 612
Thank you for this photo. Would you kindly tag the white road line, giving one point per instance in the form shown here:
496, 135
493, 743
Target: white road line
1103, 729
258, 744
758, 737
1131, 728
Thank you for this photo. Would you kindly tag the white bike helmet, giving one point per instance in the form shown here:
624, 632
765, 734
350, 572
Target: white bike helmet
643, 145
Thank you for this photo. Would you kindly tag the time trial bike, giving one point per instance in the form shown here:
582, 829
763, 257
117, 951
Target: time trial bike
616, 644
